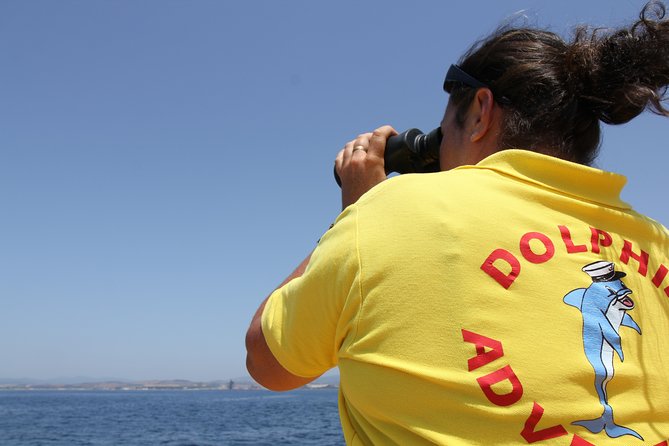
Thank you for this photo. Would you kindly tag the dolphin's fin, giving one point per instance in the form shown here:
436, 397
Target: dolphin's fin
606, 423
629, 322
575, 298
595, 426
612, 337
615, 430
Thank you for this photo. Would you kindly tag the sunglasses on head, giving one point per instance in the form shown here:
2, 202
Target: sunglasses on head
455, 75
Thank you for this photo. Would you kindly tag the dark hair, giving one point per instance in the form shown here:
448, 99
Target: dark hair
559, 91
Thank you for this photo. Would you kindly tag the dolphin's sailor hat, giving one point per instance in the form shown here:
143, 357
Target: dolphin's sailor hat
602, 271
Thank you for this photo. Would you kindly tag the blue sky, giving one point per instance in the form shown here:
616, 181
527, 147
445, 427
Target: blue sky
164, 164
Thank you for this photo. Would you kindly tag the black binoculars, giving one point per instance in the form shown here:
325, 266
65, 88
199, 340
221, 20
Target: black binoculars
411, 151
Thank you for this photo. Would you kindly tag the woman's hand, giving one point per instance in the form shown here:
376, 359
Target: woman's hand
360, 164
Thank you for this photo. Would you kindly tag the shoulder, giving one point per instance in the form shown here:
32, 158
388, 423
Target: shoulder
408, 184
457, 185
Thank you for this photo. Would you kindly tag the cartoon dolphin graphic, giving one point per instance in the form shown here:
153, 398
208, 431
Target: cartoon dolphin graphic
604, 306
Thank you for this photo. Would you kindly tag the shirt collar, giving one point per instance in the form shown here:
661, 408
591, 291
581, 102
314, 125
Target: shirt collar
563, 176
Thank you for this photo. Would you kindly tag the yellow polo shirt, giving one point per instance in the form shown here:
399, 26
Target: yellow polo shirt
463, 308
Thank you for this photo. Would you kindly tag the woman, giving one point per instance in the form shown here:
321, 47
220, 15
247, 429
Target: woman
512, 297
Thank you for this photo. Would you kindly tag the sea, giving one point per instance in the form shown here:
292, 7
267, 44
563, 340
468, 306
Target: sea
170, 418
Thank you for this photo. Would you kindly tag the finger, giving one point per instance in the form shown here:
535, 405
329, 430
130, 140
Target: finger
339, 160
344, 157
348, 151
363, 139
361, 145
377, 141
359, 151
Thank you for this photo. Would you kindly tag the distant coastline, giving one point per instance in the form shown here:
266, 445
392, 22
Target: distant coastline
154, 385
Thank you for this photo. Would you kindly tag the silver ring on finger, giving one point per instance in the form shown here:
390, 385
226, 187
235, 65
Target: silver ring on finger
363, 148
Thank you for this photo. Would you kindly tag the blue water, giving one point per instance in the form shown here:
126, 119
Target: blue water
172, 418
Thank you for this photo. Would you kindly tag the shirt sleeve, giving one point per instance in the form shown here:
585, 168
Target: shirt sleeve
307, 321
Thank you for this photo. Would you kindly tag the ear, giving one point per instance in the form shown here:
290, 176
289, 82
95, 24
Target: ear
482, 114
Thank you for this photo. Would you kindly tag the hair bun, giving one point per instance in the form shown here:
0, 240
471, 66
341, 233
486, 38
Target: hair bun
617, 75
